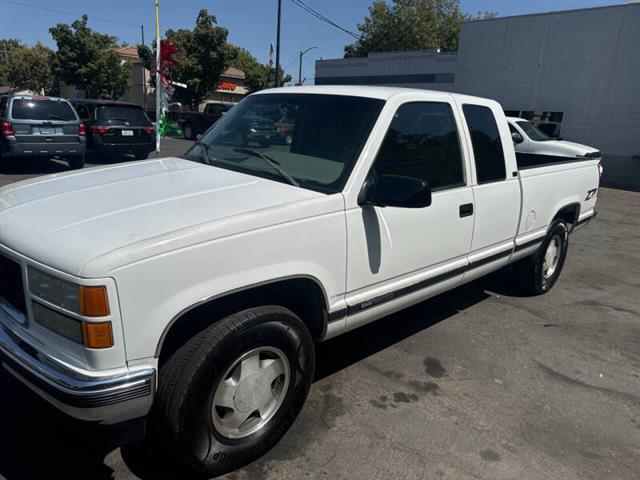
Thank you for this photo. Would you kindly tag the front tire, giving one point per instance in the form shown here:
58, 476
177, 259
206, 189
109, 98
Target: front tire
231, 392
539, 272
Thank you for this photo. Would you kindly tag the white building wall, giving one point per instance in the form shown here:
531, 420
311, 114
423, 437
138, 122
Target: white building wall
585, 63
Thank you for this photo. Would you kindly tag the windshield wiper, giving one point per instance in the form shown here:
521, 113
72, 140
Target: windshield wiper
54, 117
272, 163
205, 150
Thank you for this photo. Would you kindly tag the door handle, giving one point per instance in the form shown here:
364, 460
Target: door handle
466, 210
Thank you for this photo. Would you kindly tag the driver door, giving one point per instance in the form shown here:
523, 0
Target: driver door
411, 253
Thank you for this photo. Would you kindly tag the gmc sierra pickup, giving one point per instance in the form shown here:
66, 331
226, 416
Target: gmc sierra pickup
191, 291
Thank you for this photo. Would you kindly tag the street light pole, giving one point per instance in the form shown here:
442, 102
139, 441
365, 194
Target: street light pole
300, 66
278, 45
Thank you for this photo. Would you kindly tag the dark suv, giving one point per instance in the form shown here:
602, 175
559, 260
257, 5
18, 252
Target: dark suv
32, 126
116, 128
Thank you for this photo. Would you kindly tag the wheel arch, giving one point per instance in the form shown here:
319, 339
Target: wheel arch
303, 294
569, 213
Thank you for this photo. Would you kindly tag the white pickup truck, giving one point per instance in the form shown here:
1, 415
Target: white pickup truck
199, 285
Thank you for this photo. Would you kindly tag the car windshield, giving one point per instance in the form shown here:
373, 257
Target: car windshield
533, 132
314, 139
121, 115
45, 109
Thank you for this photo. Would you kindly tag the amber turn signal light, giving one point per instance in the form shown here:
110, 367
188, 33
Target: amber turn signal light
94, 302
97, 335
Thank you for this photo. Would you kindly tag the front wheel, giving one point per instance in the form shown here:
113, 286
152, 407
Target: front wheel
231, 392
539, 272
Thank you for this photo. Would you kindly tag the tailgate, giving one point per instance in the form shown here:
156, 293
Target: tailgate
127, 135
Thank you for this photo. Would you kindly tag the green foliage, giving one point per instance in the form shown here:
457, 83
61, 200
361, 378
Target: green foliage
258, 76
31, 68
201, 60
87, 60
410, 25
7, 47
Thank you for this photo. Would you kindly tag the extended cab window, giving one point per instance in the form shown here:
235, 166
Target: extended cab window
422, 142
487, 145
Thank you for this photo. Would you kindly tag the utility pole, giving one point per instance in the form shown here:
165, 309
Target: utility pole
144, 74
278, 44
300, 66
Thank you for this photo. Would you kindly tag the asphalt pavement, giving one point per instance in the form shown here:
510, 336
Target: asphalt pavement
478, 383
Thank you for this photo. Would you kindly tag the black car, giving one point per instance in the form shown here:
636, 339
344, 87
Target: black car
116, 128
34, 126
195, 123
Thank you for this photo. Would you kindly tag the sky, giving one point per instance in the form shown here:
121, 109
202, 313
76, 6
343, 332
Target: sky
251, 23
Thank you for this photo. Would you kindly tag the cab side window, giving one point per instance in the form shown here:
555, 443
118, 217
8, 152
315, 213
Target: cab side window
423, 142
487, 145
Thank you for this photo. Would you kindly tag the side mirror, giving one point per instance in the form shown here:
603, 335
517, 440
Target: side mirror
396, 191
516, 137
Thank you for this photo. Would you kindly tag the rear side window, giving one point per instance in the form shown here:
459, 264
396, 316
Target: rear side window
422, 142
121, 115
83, 111
487, 145
31, 109
3, 106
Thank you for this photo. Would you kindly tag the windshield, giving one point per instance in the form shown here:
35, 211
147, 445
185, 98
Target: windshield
122, 115
314, 139
533, 132
31, 109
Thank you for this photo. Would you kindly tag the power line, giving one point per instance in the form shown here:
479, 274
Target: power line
321, 17
65, 12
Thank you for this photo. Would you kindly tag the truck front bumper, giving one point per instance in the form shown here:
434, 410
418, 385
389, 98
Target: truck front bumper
105, 399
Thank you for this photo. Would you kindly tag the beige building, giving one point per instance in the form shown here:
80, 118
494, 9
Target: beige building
231, 86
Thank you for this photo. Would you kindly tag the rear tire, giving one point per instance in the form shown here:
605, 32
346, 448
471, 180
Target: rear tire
76, 162
141, 156
219, 414
538, 273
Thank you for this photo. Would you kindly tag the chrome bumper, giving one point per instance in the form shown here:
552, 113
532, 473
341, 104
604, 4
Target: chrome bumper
104, 399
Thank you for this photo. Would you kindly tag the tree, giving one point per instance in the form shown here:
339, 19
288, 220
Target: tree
202, 57
87, 60
31, 68
410, 25
257, 75
6, 48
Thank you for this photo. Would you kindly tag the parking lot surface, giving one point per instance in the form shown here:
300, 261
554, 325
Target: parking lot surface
478, 383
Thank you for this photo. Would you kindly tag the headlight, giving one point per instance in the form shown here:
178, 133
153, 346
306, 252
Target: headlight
87, 301
54, 290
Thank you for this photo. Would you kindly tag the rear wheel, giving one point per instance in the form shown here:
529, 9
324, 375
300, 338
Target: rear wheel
141, 155
231, 392
539, 272
76, 162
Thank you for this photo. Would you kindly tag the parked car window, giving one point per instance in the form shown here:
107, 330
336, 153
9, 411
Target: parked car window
533, 132
83, 111
512, 129
3, 106
121, 115
423, 142
317, 149
487, 145
33, 109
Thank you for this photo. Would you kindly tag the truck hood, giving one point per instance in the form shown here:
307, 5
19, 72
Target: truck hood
67, 220
562, 148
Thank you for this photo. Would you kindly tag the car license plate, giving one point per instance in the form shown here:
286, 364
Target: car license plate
47, 131
267, 137
127, 133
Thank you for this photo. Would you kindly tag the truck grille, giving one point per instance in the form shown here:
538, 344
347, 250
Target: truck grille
11, 287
